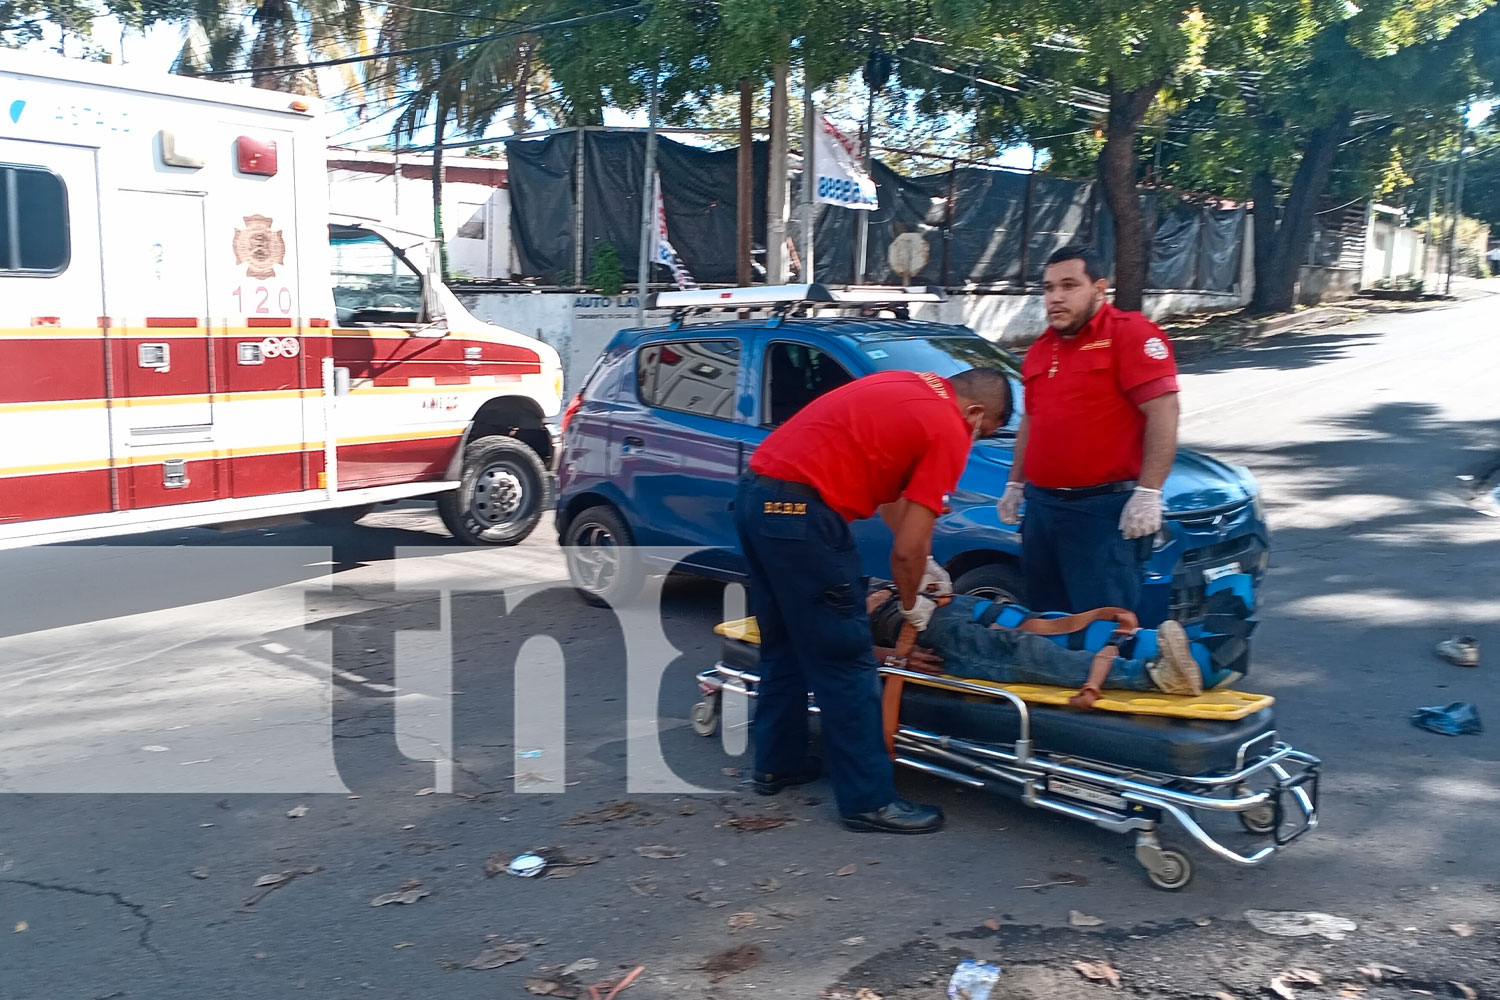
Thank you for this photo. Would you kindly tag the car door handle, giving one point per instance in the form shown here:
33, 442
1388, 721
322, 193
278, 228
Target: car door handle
634, 442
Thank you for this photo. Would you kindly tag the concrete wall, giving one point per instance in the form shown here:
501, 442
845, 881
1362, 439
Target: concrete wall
1392, 252
1327, 284
476, 217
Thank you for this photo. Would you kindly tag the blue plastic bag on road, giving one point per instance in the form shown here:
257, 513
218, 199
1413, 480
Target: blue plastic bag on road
1458, 719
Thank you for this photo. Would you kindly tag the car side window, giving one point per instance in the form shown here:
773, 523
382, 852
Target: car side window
690, 376
33, 221
797, 374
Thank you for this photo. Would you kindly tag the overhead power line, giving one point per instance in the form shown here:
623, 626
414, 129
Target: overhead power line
438, 46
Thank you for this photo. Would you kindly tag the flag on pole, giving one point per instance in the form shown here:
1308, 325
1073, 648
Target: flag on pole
841, 178
661, 246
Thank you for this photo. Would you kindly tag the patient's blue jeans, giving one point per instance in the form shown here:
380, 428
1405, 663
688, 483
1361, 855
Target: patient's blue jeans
970, 649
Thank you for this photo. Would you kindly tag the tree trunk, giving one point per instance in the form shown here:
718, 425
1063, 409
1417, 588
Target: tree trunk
523, 84
437, 186
1276, 284
1117, 172
1263, 193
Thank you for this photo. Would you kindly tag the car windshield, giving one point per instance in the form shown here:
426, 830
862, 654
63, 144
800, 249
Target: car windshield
940, 355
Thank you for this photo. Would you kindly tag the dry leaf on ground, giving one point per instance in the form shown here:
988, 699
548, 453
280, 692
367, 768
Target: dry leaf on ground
582, 965
740, 921
731, 772
992, 924
1380, 973
1464, 990
865, 993
199, 873
1078, 919
275, 878
1098, 972
767, 884
426, 791
623, 809
501, 954
852, 942
752, 824
404, 898
1291, 923
1282, 990
553, 988
847, 870
1301, 977
1462, 930
1221, 995
732, 962
660, 852
296, 812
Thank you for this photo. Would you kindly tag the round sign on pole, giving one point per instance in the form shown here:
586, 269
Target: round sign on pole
908, 255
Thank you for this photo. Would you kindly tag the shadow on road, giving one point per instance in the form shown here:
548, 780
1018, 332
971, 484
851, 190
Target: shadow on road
1286, 352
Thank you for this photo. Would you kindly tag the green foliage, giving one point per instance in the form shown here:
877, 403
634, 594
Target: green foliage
605, 275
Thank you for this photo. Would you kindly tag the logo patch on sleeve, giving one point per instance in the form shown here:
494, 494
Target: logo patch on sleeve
1156, 349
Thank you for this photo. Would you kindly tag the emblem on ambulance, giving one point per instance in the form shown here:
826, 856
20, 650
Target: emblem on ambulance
1156, 349
259, 247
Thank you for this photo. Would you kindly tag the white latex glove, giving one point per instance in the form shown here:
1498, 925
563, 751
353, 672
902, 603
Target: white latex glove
1009, 505
935, 580
1142, 513
920, 614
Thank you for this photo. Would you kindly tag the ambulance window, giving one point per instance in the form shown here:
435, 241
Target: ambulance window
33, 221
371, 283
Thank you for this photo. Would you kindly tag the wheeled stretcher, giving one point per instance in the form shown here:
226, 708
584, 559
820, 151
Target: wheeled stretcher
1192, 761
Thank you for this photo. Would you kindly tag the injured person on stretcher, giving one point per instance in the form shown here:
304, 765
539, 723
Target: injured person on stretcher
964, 640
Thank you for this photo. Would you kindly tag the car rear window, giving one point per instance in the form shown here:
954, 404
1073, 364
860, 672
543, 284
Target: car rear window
941, 355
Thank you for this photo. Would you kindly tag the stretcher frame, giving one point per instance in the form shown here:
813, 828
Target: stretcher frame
1272, 790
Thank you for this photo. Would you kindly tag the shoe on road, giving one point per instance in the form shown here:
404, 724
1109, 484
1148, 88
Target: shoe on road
899, 816
1175, 671
769, 784
1461, 649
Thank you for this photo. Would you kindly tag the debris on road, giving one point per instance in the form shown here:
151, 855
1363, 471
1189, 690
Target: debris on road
553, 988
1078, 919
426, 791
623, 809
992, 924
1461, 718
1099, 972
582, 965
1464, 990
405, 897
767, 884
1462, 930
660, 852
267, 884
853, 942
730, 772
526, 865
199, 873
724, 964
500, 954
1294, 923
741, 921
1461, 650
21, 927
296, 812
1380, 973
973, 980
753, 824
846, 870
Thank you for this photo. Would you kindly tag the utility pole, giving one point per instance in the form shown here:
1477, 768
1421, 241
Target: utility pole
1429, 237
776, 181
809, 178
877, 73
648, 201
745, 195
1448, 213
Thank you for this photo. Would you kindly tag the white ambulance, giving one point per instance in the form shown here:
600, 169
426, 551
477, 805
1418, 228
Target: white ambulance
188, 338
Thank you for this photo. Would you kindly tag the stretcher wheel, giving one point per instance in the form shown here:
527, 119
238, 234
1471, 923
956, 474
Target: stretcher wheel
706, 717
1261, 820
1174, 870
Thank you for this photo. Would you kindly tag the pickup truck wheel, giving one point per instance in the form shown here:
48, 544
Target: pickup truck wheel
992, 582
337, 517
602, 561
503, 491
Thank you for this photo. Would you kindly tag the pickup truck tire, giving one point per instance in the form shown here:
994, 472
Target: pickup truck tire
503, 491
602, 561
998, 581
337, 517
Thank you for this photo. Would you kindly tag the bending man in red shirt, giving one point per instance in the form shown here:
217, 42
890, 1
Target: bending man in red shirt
1095, 446
895, 443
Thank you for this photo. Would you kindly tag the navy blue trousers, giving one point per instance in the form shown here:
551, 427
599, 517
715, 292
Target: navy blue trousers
807, 593
1073, 556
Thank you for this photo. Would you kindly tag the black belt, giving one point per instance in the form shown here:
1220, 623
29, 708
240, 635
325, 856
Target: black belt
787, 486
1084, 492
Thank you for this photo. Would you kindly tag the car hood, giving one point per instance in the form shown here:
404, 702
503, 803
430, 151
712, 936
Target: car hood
1197, 482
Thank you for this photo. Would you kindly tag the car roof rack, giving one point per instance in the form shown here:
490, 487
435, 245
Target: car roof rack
788, 300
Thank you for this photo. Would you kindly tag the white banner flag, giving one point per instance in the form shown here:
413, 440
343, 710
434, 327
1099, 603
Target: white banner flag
840, 175
661, 247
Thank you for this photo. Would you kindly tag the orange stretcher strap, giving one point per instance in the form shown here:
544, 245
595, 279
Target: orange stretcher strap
890, 711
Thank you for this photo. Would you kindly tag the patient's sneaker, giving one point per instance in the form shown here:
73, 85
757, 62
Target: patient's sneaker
1175, 671
1462, 650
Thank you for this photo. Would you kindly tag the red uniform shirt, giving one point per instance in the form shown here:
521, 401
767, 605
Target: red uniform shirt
873, 441
1083, 397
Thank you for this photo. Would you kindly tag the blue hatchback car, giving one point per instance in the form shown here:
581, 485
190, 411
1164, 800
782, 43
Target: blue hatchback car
667, 420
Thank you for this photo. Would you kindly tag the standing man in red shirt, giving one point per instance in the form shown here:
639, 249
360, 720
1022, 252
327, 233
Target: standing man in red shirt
1095, 446
895, 443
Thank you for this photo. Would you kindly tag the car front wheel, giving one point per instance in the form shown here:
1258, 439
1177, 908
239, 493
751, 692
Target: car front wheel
992, 582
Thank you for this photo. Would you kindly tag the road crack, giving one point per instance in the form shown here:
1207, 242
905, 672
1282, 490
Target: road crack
139, 911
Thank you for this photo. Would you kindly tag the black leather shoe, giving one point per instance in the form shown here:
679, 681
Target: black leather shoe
900, 816
769, 784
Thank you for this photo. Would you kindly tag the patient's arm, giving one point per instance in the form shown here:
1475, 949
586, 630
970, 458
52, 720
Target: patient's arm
920, 659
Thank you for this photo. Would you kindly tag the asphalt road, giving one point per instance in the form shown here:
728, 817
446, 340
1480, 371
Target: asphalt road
182, 716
